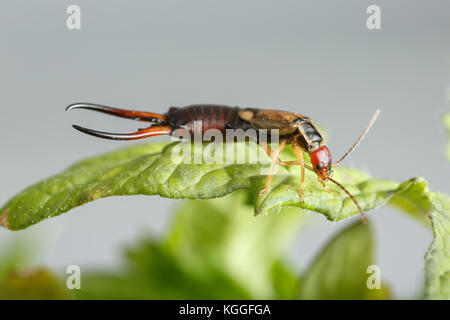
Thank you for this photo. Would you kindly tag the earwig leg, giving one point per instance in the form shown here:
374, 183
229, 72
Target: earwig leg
299, 154
287, 163
294, 163
327, 189
266, 148
274, 155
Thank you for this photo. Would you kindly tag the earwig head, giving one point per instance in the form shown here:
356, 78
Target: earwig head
321, 162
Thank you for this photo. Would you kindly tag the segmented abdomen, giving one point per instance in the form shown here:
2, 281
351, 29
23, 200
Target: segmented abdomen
201, 117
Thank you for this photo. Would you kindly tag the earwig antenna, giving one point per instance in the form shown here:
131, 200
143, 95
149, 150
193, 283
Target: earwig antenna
363, 134
363, 217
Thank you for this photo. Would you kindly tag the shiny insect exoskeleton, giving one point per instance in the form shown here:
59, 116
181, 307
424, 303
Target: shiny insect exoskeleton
293, 128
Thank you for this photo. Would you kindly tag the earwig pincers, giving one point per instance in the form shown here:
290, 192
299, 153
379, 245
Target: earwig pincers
295, 129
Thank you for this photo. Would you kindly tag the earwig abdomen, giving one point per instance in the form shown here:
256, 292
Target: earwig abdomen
202, 117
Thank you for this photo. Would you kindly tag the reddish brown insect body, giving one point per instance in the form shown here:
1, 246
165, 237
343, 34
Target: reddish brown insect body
207, 116
293, 128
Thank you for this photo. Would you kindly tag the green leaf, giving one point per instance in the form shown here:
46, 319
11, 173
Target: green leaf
437, 258
215, 249
412, 199
340, 270
151, 169
224, 235
79, 184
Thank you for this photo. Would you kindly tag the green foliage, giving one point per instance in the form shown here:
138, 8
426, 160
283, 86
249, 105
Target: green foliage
437, 259
214, 249
412, 199
81, 183
340, 270
151, 169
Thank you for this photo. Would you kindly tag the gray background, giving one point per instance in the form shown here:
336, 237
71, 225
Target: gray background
316, 57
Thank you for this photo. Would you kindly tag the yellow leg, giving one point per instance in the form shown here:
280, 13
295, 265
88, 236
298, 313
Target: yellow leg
274, 156
294, 163
287, 163
299, 155
266, 148
329, 190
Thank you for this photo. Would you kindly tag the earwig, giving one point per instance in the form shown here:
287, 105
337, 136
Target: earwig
295, 129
